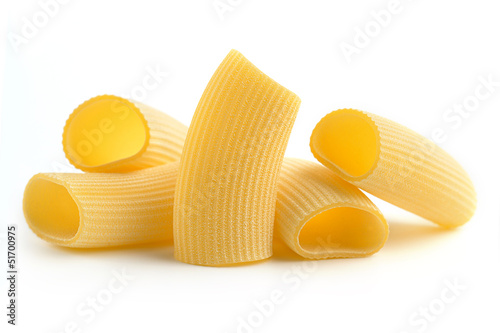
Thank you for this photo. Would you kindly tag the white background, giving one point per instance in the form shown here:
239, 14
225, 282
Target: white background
427, 59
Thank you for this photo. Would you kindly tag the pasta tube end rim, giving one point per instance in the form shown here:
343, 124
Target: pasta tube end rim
312, 242
51, 210
123, 125
332, 143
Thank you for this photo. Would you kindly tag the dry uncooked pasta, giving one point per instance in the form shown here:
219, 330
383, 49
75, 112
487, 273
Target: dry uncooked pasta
231, 186
102, 209
317, 214
112, 134
395, 164
226, 191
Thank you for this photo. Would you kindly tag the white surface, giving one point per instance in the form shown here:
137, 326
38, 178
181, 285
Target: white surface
428, 58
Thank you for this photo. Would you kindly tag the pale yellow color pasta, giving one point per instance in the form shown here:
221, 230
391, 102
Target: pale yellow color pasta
112, 134
226, 191
395, 164
320, 216
232, 187
102, 209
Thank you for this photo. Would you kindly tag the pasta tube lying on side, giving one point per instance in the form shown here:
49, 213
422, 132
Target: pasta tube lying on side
318, 215
395, 164
90, 210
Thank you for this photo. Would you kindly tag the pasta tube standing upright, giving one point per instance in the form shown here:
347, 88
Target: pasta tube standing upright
226, 190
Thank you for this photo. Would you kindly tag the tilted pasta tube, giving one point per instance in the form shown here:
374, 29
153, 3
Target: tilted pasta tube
112, 134
226, 191
395, 164
317, 214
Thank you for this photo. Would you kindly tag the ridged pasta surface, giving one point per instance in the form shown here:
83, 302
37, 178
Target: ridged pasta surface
226, 190
319, 215
102, 209
395, 164
98, 210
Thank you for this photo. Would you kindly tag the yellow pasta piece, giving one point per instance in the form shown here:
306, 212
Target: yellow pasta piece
112, 134
226, 190
395, 164
102, 209
319, 215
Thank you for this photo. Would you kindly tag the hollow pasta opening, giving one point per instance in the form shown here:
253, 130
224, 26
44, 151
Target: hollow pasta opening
343, 231
103, 130
51, 210
348, 141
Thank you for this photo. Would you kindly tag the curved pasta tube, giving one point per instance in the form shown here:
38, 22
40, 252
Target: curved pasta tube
317, 214
320, 216
112, 134
226, 190
395, 164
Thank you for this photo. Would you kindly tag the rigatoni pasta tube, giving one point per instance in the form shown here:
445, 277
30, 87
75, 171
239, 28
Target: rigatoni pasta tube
395, 164
112, 134
320, 216
226, 191
92, 210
